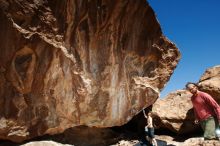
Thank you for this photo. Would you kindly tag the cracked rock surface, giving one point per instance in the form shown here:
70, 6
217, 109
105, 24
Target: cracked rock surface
65, 63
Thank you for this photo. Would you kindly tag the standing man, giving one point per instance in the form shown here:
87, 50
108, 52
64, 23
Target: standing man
206, 110
149, 129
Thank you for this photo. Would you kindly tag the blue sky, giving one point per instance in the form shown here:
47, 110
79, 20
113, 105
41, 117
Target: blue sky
194, 26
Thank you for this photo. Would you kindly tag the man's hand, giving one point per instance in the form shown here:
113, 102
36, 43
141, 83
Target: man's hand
196, 121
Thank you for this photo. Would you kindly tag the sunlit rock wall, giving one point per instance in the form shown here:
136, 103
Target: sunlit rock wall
65, 63
210, 82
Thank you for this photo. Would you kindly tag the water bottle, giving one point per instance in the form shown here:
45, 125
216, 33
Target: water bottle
217, 131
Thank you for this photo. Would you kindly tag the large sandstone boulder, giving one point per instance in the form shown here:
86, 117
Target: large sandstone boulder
210, 82
65, 63
175, 112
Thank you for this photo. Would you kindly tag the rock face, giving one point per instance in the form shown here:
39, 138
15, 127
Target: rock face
210, 82
175, 112
78, 62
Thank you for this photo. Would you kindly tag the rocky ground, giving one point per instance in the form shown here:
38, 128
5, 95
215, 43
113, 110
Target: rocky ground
169, 141
161, 140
